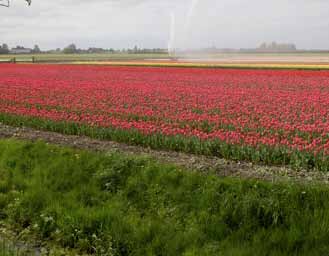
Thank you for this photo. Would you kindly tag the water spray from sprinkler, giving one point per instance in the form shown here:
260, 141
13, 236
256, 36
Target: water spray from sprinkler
186, 30
188, 22
171, 44
190, 14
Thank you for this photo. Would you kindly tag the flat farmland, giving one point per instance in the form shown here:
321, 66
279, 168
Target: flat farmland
289, 61
139, 160
298, 60
61, 57
263, 116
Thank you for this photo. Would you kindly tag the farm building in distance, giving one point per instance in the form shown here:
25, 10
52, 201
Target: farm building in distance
277, 47
20, 50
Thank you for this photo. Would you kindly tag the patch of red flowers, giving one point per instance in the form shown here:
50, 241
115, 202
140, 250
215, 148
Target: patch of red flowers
250, 107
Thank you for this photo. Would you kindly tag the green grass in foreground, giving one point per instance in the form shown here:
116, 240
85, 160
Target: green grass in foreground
112, 204
8, 249
5, 250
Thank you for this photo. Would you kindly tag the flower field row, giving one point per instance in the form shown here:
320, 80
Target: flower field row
271, 114
222, 65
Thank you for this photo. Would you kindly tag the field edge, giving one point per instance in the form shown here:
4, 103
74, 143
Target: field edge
277, 156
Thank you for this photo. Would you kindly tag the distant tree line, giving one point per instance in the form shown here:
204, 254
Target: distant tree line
73, 49
5, 49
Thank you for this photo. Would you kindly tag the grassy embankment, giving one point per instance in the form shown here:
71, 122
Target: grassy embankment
112, 204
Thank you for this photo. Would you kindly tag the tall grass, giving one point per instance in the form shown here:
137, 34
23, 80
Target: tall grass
7, 249
112, 204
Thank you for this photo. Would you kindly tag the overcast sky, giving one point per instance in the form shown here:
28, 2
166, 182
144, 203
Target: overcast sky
147, 23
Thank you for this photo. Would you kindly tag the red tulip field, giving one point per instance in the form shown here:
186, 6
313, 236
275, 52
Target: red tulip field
273, 117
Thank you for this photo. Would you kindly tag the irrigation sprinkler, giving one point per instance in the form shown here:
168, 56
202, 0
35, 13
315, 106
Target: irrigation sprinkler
6, 3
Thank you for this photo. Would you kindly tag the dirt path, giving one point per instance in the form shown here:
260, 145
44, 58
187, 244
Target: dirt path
204, 164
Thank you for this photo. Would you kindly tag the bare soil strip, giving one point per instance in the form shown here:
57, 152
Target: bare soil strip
204, 164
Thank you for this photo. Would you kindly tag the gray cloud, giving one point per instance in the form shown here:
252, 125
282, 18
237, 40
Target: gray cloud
124, 23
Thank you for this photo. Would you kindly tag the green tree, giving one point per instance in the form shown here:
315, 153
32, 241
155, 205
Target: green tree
70, 49
4, 49
36, 49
